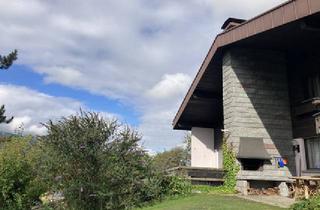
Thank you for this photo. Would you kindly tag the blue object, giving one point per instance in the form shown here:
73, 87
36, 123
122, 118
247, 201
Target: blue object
281, 163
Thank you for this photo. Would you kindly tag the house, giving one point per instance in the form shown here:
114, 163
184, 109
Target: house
260, 85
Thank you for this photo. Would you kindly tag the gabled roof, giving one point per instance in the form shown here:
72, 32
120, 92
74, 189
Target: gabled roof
285, 13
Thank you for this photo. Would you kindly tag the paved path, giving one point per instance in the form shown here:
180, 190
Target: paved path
274, 200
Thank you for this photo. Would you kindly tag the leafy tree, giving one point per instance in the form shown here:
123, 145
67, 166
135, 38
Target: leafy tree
170, 159
96, 163
178, 156
20, 186
7, 61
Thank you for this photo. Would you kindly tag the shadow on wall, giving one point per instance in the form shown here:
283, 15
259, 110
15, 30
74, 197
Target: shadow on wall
262, 102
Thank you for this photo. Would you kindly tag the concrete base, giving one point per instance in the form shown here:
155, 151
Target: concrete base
242, 187
284, 189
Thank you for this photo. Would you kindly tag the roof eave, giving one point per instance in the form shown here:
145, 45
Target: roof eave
285, 13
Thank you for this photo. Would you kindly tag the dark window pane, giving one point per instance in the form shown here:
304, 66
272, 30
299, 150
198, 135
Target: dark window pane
313, 153
312, 86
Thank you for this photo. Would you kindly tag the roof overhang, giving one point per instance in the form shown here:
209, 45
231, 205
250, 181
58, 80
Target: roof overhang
202, 105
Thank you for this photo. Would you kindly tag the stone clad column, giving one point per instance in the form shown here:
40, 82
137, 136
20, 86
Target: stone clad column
256, 104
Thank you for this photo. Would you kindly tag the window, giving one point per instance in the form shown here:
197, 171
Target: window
312, 86
313, 152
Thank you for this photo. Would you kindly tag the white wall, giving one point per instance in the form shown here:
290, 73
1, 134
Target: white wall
203, 153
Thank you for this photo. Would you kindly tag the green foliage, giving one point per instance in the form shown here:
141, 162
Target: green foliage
169, 159
3, 118
6, 61
177, 186
311, 204
93, 162
98, 164
159, 186
230, 166
178, 156
20, 186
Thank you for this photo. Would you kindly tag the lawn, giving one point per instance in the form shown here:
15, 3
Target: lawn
207, 202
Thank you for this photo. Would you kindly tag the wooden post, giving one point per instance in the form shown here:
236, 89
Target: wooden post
306, 189
296, 189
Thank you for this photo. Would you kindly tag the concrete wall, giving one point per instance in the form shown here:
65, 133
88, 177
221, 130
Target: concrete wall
203, 151
256, 104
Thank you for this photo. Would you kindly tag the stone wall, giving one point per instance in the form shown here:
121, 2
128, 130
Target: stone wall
256, 104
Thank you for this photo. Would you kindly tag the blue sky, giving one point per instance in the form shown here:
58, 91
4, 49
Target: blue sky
131, 60
22, 75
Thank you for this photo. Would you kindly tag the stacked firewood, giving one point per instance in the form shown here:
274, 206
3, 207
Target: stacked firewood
306, 187
264, 191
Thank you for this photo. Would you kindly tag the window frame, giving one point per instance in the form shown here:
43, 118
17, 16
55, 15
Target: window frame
311, 86
317, 138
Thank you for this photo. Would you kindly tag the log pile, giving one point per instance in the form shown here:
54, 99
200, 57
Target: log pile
264, 191
305, 187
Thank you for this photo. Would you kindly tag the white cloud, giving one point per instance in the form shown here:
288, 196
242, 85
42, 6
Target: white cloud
162, 102
27, 8
121, 49
31, 108
171, 86
65, 75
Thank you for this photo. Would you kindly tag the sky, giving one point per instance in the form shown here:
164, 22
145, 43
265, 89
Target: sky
132, 60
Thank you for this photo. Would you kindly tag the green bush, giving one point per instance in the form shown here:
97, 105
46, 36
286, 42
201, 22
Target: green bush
311, 204
170, 159
96, 163
178, 186
20, 186
160, 186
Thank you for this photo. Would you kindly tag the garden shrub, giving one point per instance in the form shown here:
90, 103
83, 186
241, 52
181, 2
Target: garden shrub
311, 204
98, 164
20, 186
178, 186
160, 186
94, 162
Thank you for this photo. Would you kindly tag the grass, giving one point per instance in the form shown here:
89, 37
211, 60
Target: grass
208, 202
